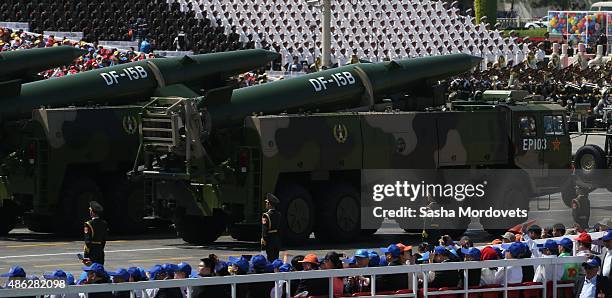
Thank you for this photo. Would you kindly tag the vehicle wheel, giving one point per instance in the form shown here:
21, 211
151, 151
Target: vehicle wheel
568, 192
76, 195
589, 159
338, 215
245, 233
125, 206
297, 213
531, 27
510, 195
199, 230
8, 217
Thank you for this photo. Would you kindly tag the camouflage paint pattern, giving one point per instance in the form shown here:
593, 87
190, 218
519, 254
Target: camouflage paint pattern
70, 141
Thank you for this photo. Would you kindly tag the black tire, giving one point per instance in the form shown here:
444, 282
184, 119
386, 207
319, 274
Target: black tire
199, 230
245, 233
338, 215
125, 208
77, 192
589, 159
8, 217
568, 192
511, 194
297, 213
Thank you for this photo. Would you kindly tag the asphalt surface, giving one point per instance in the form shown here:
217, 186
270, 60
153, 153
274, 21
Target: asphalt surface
39, 253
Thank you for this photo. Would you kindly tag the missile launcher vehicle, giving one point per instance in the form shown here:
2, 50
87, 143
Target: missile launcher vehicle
70, 140
207, 161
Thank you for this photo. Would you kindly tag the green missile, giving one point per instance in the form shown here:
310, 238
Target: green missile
24, 63
339, 88
131, 81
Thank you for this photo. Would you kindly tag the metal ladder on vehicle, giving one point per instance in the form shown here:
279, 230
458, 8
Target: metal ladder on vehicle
159, 126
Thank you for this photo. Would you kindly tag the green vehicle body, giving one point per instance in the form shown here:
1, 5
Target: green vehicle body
208, 161
55, 160
65, 157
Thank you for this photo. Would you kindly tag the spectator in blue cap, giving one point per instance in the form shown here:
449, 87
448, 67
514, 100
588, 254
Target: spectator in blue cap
155, 273
16, 272
206, 268
66, 277
260, 289
168, 274
276, 264
549, 250
592, 284
570, 270
282, 284
392, 282
606, 267
183, 270
469, 255
97, 275
515, 274
120, 276
137, 274
374, 259
239, 266
424, 258
359, 283
169, 269
442, 278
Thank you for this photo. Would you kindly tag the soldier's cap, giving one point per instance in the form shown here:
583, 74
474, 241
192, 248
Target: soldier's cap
592, 263
272, 199
96, 268
15, 271
96, 207
259, 261
510, 236
310, 258
184, 267
121, 273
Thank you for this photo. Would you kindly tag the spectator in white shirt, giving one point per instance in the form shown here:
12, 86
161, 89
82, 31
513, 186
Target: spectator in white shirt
606, 268
542, 273
514, 273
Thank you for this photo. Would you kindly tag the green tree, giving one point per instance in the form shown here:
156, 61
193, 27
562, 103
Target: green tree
486, 8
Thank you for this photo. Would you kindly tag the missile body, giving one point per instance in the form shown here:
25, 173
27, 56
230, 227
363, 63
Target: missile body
19, 64
132, 81
339, 88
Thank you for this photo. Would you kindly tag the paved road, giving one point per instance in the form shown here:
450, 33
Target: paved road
39, 253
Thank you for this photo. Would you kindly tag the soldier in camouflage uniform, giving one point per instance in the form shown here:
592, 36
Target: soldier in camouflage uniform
270, 224
95, 231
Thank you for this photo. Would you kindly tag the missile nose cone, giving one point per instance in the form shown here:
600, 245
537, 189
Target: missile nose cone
475, 60
271, 56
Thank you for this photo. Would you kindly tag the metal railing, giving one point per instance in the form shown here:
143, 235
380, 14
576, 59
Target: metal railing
414, 270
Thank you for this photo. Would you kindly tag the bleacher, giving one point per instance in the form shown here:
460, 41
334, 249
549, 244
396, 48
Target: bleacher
124, 21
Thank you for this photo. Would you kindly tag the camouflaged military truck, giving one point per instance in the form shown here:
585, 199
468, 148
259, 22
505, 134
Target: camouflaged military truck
54, 161
208, 161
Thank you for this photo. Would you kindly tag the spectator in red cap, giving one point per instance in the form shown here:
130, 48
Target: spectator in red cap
583, 245
487, 275
314, 286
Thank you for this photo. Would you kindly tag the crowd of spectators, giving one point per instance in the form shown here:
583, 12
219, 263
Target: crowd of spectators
161, 21
517, 243
96, 56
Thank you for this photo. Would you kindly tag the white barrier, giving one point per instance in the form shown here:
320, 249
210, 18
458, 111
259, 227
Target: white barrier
415, 270
16, 25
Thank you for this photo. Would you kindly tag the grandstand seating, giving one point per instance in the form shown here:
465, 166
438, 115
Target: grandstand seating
117, 20
373, 30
